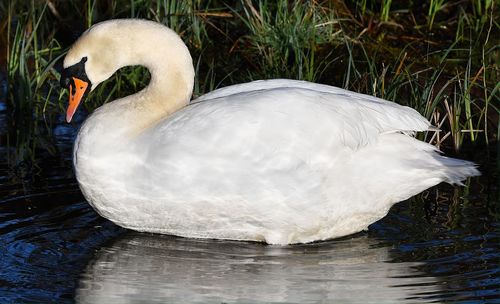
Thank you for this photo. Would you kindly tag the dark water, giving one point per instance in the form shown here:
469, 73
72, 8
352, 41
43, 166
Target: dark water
442, 246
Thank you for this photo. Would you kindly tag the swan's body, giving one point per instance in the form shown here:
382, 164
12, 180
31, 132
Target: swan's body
279, 161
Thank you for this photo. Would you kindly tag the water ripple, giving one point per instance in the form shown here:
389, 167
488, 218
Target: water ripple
55, 248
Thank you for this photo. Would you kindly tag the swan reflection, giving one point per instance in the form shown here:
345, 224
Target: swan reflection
152, 268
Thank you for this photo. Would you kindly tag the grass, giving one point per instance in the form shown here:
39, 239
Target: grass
285, 39
434, 7
443, 60
29, 68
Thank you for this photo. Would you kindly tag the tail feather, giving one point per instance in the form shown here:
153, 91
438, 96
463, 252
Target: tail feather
400, 166
455, 171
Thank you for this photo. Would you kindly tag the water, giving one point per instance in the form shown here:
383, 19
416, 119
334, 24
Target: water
442, 246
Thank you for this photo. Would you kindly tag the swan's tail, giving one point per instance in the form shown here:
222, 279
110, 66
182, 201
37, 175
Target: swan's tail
429, 162
400, 166
455, 171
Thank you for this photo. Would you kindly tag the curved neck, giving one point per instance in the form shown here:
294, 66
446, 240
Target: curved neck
169, 90
171, 84
168, 60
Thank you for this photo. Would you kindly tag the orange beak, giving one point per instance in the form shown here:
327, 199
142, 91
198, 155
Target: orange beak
75, 96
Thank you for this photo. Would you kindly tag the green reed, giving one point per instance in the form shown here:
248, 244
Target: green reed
286, 38
434, 7
30, 77
386, 8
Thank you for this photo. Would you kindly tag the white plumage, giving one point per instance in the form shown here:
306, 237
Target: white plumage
279, 161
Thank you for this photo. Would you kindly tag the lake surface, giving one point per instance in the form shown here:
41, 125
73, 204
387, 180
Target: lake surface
441, 246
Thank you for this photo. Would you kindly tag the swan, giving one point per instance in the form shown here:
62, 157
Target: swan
277, 161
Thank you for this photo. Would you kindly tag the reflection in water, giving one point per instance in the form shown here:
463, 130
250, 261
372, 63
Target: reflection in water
166, 269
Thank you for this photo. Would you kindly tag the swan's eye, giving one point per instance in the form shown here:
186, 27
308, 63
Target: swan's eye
84, 59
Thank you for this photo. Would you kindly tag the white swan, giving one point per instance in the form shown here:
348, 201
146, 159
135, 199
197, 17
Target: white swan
279, 161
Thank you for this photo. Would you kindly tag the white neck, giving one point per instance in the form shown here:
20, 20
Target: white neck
169, 90
172, 75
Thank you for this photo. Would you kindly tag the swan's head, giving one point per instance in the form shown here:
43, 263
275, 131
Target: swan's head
110, 45
93, 58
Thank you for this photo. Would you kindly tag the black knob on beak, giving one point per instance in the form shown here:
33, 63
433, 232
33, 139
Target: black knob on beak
77, 70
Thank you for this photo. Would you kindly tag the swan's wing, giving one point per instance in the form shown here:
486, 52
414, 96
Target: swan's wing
384, 115
296, 123
359, 118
